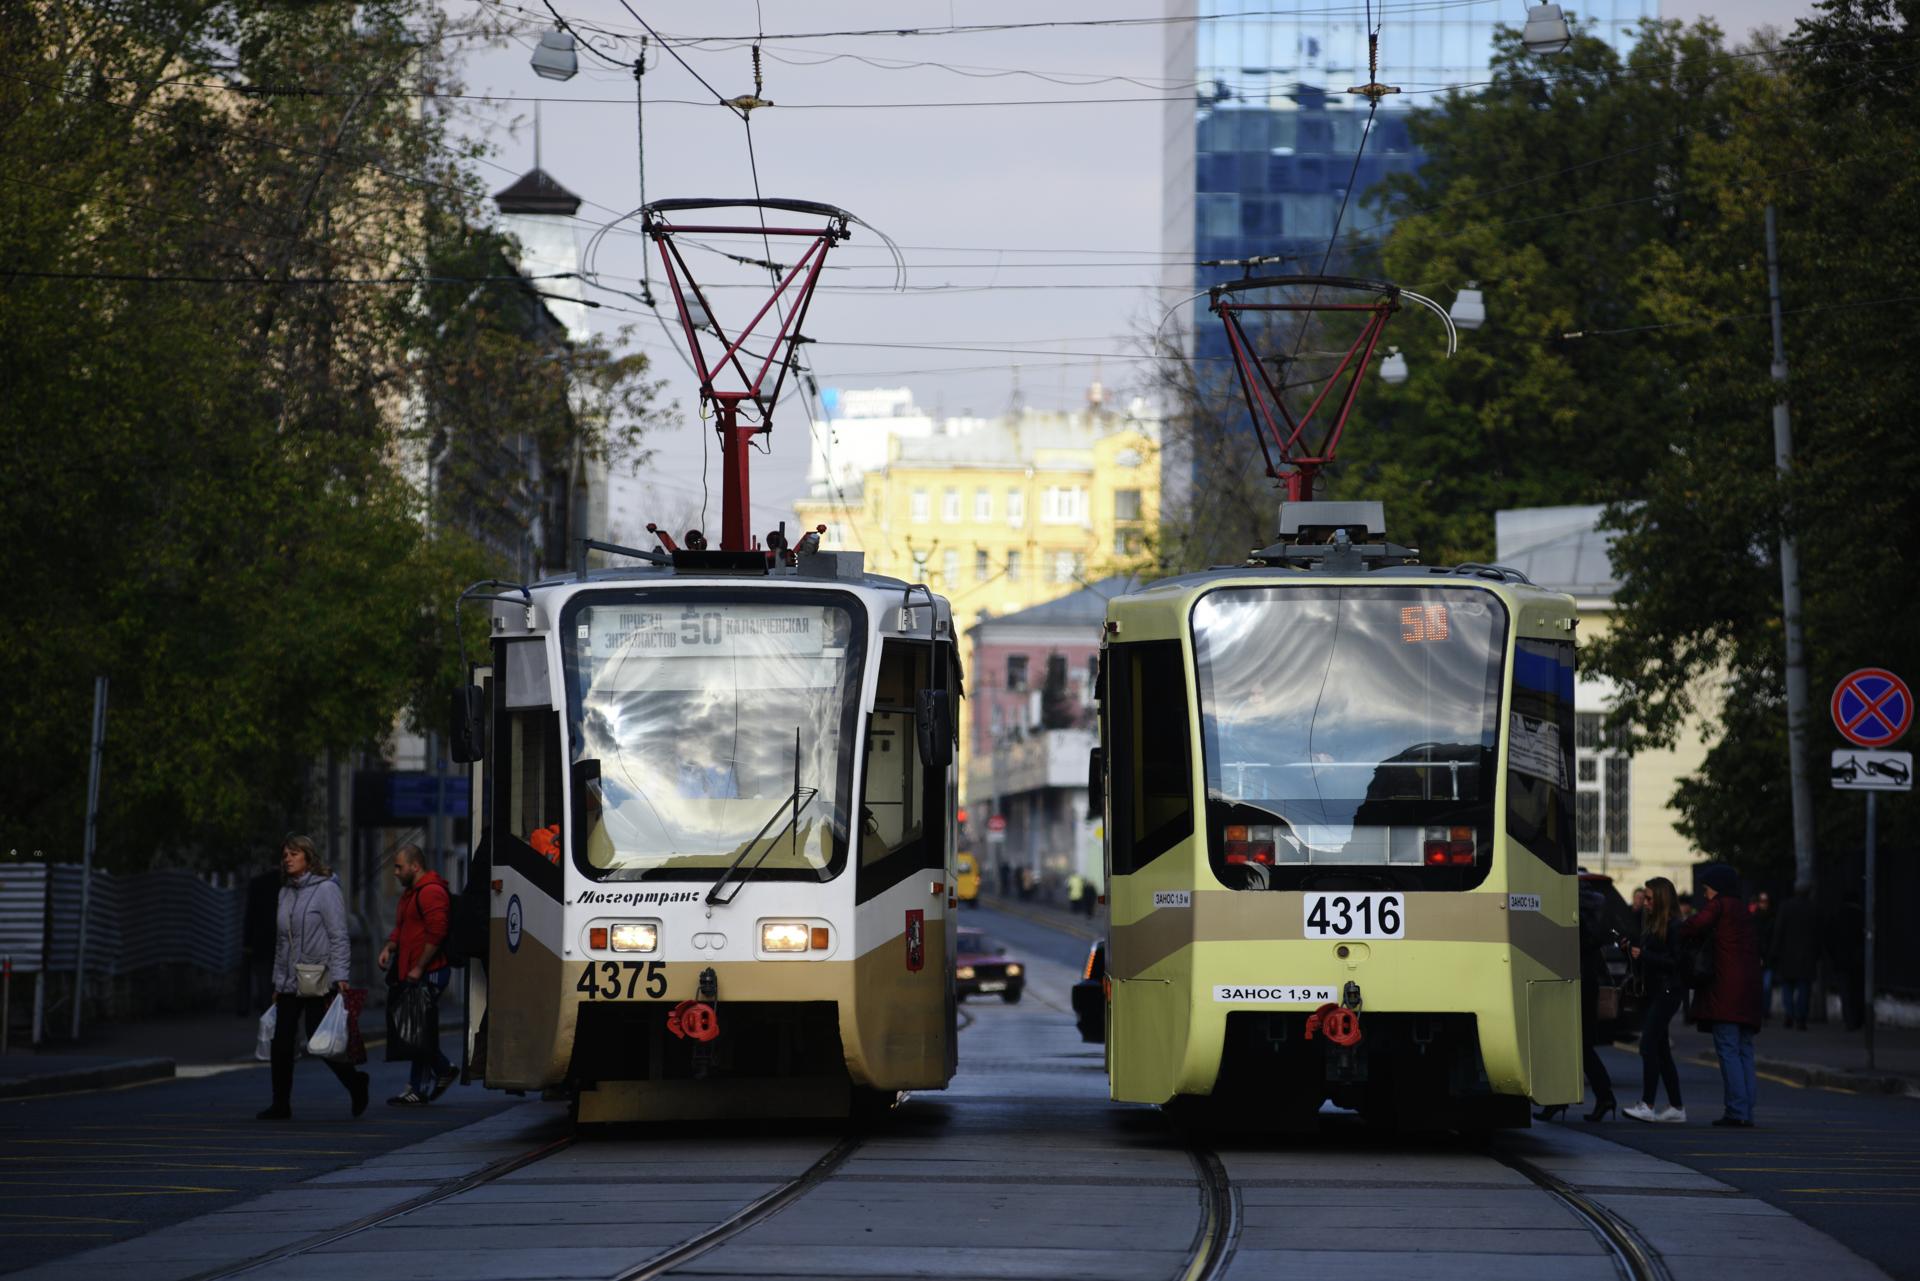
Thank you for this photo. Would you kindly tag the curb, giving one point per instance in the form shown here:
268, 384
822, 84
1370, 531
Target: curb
125, 1072
1813, 1074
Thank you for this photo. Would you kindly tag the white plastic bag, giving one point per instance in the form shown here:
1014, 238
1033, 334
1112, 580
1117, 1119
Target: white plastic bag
329, 1040
263, 1044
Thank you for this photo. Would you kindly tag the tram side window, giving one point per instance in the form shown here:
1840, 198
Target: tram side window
1540, 813
900, 831
1150, 741
527, 778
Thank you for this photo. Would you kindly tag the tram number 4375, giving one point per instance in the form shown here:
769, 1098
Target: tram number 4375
617, 980
1356, 916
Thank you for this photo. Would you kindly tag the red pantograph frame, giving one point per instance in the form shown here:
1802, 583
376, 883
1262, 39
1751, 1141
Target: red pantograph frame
1283, 435
736, 515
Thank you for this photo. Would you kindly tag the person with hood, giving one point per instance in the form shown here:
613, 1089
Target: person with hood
310, 964
1727, 1003
415, 949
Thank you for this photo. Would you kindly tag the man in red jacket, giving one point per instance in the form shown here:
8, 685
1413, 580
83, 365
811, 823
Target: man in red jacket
419, 934
1728, 1003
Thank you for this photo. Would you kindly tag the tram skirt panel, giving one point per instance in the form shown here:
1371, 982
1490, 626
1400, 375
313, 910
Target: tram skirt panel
1553, 1041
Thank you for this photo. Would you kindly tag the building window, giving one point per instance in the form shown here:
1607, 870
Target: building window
1063, 571
1063, 505
980, 570
983, 504
1013, 567
949, 568
1602, 803
1016, 508
1126, 504
950, 507
1017, 672
922, 507
1126, 542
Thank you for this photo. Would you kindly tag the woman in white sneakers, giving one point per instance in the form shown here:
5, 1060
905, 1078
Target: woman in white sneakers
1658, 956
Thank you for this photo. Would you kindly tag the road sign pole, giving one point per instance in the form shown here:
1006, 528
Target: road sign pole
1872, 814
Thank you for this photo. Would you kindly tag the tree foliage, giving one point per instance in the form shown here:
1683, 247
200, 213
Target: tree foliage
237, 252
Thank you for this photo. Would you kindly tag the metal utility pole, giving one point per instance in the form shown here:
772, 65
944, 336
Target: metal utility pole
86, 849
1802, 781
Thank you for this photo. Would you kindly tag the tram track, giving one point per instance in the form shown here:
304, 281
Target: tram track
1219, 1233
1632, 1256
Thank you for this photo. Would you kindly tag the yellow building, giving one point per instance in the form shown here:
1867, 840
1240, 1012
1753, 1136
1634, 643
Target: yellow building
1623, 803
995, 514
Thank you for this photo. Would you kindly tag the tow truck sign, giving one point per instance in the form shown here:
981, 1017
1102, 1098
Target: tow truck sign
1855, 770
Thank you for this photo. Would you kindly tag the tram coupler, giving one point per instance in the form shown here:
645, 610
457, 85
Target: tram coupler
707, 1000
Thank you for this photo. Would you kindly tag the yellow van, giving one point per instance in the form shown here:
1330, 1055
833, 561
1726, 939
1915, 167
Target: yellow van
966, 878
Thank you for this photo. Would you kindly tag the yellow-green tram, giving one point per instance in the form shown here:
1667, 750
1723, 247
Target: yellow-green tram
1339, 836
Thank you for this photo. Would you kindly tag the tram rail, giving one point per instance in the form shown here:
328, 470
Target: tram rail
1633, 1257
1219, 1234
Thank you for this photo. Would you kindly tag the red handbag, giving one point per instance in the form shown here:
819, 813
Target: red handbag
356, 1047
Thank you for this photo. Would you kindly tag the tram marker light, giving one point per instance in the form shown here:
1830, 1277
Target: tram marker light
632, 936
784, 936
597, 938
822, 939
1250, 844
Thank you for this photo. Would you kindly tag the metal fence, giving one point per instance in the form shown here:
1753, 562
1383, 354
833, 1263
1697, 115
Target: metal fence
134, 923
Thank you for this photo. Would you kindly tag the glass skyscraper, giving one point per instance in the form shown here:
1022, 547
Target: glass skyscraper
1259, 161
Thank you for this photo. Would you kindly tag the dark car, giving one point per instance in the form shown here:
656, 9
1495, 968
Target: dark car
1617, 922
1090, 995
982, 969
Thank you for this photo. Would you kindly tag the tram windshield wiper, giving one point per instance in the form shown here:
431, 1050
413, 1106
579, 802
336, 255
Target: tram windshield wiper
797, 801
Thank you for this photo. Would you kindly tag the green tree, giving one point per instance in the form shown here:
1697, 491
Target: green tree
220, 267
1701, 629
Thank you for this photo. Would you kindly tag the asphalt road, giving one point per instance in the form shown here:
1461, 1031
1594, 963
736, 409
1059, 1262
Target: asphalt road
83, 1170
1848, 1164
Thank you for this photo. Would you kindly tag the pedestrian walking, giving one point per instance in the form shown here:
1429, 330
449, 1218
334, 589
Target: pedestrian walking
1728, 1003
414, 951
1593, 967
1656, 958
1076, 890
310, 965
1795, 958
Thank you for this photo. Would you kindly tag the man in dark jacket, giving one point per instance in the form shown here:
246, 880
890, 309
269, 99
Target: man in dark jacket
1728, 1004
414, 949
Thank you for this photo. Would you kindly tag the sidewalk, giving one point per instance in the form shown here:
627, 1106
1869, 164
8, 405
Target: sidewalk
1823, 1055
129, 1051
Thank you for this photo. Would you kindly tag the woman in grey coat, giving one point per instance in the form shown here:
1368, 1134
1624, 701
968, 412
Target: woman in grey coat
311, 926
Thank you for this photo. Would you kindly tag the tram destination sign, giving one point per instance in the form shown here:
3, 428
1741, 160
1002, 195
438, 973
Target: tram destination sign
1872, 707
1858, 770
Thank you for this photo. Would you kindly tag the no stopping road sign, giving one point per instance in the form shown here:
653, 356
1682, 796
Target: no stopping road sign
1872, 707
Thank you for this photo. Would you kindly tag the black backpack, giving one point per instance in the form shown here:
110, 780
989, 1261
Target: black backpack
467, 916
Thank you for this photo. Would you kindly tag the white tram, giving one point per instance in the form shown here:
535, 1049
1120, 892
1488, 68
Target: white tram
717, 799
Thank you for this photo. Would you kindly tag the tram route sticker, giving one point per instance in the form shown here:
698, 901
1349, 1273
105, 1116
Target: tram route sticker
1533, 747
1872, 707
514, 921
916, 939
1173, 898
1273, 994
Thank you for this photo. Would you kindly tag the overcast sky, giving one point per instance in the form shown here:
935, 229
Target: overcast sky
1032, 228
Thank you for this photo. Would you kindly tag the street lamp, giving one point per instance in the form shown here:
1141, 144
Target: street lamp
1393, 370
1468, 311
556, 59
1546, 31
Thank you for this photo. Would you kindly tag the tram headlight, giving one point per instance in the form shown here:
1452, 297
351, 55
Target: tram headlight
784, 936
631, 936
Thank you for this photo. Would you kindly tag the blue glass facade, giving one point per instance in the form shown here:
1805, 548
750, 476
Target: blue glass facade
1274, 133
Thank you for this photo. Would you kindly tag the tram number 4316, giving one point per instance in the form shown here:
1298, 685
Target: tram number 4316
1356, 916
617, 980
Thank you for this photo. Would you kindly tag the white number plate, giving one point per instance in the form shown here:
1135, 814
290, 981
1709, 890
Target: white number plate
1356, 916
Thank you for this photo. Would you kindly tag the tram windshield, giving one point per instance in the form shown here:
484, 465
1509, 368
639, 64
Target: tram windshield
701, 721
1349, 729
